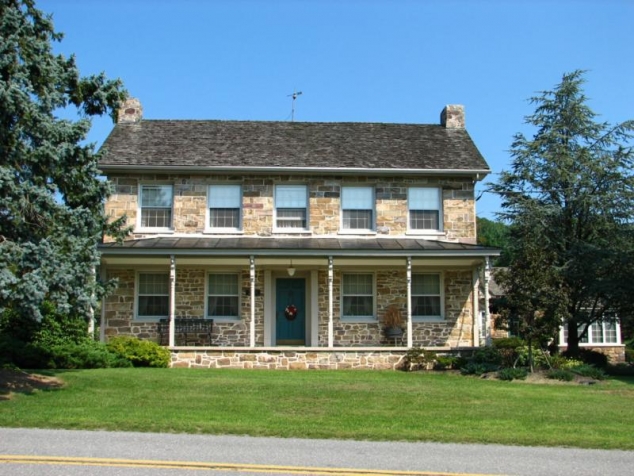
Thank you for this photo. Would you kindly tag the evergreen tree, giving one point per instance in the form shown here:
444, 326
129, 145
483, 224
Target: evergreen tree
51, 196
496, 234
569, 198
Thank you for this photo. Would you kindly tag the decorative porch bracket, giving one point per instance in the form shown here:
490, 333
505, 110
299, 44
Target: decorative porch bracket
252, 283
172, 310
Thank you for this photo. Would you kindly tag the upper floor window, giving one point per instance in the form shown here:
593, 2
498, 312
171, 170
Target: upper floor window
223, 296
358, 295
426, 295
291, 206
225, 204
156, 206
152, 295
357, 206
425, 210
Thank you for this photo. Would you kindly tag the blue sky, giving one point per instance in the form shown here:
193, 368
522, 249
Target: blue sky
368, 61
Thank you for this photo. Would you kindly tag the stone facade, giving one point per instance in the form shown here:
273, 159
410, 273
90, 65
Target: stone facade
190, 202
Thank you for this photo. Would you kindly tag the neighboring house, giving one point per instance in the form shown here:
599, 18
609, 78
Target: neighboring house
295, 238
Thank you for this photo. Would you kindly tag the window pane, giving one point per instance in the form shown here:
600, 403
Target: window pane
290, 196
224, 217
357, 219
223, 306
424, 198
357, 284
426, 295
153, 283
425, 284
424, 220
610, 332
597, 333
360, 306
153, 295
156, 217
156, 196
291, 218
357, 198
426, 305
358, 298
153, 306
225, 196
223, 295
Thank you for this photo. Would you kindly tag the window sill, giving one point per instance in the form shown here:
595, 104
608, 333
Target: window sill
359, 320
145, 320
224, 320
426, 233
428, 319
162, 231
357, 232
222, 231
292, 231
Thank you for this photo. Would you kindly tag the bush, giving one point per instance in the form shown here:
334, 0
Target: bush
560, 374
487, 355
620, 370
87, 355
475, 368
518, 373
590, 357
589, 371
560, 362
629, 355
142, 353
446, 362
540, 358
508, 343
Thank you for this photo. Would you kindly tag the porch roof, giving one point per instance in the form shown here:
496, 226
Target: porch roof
299, 246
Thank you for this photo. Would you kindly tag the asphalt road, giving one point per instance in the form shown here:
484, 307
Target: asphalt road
61, 452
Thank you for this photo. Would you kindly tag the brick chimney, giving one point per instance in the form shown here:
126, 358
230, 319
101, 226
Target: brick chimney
130, 111
452, 116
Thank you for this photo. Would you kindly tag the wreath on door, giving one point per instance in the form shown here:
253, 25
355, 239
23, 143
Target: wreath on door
290, 312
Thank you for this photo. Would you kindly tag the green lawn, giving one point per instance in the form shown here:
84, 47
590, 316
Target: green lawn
368, 405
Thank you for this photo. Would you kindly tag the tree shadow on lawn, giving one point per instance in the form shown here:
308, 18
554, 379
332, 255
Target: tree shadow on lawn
19, 381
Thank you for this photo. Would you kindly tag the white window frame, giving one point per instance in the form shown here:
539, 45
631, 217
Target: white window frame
238, 277
139, 221
357, 231
137, 295
211, 229
306, 209
590, 343
411, 207
369, 318
441, 316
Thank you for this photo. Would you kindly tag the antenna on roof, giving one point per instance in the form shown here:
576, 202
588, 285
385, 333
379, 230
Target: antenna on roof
294, 96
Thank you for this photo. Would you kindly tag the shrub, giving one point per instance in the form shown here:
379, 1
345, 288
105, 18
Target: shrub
560, 374
518, 373
629, 355
620, 370
445, 362
475, 368
142, 353
590, 357
487, 355
561, 362
508, 343
589, 371
86, 355
540, 358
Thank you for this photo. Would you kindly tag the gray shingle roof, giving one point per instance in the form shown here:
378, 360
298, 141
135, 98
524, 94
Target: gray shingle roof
253, 144
242, 246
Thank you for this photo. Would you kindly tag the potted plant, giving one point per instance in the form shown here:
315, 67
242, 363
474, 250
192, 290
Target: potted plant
393, 322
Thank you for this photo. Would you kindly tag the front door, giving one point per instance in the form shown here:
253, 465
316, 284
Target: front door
290, 311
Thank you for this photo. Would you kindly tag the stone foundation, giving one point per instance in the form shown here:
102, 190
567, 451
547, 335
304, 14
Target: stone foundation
310, 359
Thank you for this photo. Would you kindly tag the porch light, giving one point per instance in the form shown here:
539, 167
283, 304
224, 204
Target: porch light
290, 270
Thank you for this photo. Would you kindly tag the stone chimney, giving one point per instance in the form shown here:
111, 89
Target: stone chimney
130, 111
452, 116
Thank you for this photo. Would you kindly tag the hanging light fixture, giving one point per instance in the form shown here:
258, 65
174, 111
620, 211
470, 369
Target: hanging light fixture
290, 270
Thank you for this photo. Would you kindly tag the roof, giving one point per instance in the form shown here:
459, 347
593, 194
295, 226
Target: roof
207, 144
304, 246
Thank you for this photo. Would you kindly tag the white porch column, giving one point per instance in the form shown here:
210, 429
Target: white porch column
331, 332
476, 307
252, 281
172, 299
102, 325
487, 314
410, 328
91, 307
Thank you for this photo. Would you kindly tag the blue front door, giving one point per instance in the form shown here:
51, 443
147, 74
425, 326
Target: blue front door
290, 311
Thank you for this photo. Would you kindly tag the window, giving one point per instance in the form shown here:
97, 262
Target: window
291, 206
225, 203
426, 295
424, 208
223, 295
357, 205
156, 206
153, 295
606, 332
358, 295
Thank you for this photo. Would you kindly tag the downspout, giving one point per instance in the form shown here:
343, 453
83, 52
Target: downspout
331, 331
410, 337
252, 281
172, 299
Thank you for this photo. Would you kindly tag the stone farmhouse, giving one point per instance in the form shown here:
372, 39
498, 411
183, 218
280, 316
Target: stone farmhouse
290, 242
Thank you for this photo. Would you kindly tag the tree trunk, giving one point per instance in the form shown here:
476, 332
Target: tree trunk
573, 339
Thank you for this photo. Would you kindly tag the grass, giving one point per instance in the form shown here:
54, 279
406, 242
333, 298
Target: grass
346, 405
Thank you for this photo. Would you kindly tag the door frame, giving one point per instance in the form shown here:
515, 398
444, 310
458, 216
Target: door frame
312, 309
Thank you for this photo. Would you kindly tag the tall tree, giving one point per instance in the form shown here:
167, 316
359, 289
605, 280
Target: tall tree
494, 233
569, 198
51, 196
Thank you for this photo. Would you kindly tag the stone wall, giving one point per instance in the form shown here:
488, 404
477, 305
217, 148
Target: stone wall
190, 202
